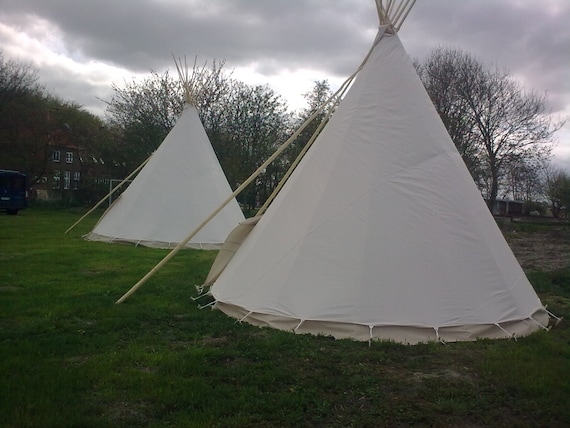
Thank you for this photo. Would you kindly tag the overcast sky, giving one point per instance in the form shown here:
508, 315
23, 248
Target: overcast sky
81, 47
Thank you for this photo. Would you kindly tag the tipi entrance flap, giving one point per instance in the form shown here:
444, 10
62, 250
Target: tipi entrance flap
231, 245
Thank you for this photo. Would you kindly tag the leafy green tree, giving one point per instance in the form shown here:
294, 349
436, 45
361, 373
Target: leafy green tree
20, 95
257, 122
32, 121
142, 114
316, 99
244, 123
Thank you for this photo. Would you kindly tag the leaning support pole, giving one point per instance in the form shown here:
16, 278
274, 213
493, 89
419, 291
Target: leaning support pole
338, 95
296, 162
182, 243
252, 177
109, 194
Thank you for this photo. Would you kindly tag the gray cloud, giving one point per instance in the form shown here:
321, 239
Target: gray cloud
530, 39
141, 35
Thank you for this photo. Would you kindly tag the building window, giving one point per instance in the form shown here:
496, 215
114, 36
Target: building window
56, 155
66, 179
56, 177
76, 176
69, 157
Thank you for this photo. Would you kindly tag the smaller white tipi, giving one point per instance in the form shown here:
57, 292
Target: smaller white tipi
177, 189
380, 232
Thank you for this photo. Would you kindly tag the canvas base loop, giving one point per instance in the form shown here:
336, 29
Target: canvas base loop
243, 319
551, 315
438, 338
207, 305
195, 298
510, 335
539, 324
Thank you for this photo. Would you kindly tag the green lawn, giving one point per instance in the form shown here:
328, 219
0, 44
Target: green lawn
69, 356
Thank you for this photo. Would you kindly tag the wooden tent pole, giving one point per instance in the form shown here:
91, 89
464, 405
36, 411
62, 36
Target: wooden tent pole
409, 5
300, 156
388, 7
252, 177
110, 193
399, 10
217, 210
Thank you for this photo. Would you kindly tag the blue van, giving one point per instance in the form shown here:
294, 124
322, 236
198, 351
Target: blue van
13, 192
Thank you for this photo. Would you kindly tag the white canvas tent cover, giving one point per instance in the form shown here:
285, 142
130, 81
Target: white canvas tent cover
180, 185
380, 232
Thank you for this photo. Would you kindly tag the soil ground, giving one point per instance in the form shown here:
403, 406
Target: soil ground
539, 247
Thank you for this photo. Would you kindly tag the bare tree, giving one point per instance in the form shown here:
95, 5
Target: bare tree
510, 124
441, 73
557, 190
523, 179
490, 116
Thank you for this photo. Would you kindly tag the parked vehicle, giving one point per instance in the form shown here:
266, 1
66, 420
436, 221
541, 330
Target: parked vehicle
13, 191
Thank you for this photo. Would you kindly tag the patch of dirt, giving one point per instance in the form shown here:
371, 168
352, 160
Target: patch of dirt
126, 414
445, 373
10, 288
545, 249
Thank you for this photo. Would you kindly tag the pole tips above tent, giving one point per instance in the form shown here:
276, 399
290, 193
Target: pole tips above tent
393, 13
192, 81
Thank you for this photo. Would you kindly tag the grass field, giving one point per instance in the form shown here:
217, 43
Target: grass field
70, 357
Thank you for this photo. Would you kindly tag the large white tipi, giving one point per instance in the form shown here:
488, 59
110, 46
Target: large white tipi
380, 232
180, 185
